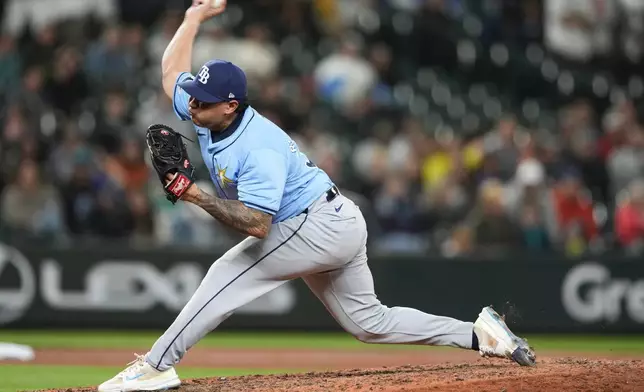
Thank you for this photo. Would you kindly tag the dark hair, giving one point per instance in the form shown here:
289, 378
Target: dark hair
243, 104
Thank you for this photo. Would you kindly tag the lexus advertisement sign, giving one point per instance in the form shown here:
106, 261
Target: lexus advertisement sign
119, 288
115, 289
17, 284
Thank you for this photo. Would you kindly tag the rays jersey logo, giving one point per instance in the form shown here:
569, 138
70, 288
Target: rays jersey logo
225, 181
294, 149
204, 75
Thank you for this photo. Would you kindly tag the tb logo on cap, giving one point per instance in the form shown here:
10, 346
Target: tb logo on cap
204, 75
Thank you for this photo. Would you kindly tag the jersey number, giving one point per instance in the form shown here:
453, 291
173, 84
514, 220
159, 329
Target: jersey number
293, 148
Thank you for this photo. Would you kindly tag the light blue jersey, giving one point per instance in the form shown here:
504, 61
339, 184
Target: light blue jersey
258, 164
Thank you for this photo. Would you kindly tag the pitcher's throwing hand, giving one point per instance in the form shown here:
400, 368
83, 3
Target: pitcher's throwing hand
202, 10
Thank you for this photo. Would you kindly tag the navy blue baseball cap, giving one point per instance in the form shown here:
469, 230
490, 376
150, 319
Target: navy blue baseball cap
217, 81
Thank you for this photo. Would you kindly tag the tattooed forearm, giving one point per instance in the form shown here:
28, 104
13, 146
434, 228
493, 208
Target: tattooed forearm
235, 214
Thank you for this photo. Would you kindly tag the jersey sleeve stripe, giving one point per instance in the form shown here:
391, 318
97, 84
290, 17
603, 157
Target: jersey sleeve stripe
261, 208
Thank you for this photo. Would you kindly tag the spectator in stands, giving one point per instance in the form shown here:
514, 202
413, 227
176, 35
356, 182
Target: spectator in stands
580, 31
535, 235
449, 160
109, 62
33, 149
626, 160
393, 204
113, 121
614, 124
10, 65
501, 144
132, 161
629, 218
79, 191
631, 38
529, 14
518, 22
63, 158
31, 95
370, 161
143, 218
344, 77
442, 161
569, 214
339, 14
396, 205
289, 19
434, 35
528, 183
40, 49
409, 143
30, 205
380, 57
582, 141
525, 198
112, 216
275, 106
68, 86
213, 38
262, 54
134, 42
255, 53
443, 174
490, 169
20, 13
14, 132
495, 233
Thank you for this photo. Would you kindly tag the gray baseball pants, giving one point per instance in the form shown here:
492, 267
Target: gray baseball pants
328, 250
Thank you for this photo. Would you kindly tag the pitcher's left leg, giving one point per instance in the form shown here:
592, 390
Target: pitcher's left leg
348, 294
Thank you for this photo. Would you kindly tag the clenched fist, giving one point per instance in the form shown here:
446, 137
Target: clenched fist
202, 10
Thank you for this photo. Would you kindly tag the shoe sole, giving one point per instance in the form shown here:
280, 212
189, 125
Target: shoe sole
164, 386
171, 384
521, 351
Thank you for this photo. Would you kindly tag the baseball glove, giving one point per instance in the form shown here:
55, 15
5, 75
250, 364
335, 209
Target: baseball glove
170, 157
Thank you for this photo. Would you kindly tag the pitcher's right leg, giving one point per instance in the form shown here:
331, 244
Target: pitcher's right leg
231, 282
234, 280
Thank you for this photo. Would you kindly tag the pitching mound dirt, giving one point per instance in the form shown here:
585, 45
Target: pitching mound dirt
563, 374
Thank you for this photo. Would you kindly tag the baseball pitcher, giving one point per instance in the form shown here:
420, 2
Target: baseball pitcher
297, 222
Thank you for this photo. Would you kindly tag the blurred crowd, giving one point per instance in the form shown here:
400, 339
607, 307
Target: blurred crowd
460, 126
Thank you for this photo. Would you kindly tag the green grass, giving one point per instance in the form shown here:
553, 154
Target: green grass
260, 340
622, 344
144, 339
30, 377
